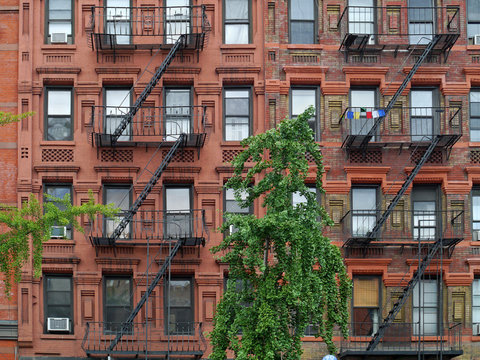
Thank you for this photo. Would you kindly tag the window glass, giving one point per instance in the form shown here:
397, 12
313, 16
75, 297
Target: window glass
361, 101
422, 120
117, 302
363, 214
120, 198
117, 105
179, 306
425, 307
177, 113
476, 215
424, 213
236, 21
59, 21
475, 115
302, 21
297, 198
177, 19
178, 216
237, 114
366, 305
476, 306
58, 299
232, 206
301, 100
59, 191
118, 20
420, 21
59, 114
361, 18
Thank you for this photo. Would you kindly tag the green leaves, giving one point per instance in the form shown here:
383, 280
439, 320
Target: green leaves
8, 118
296, 276
26, 228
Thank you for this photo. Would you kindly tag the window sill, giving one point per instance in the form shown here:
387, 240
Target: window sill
305, 47
231, 143
58, 337
473, 47
238, 47
53, 241
475, 338
57, 143
59, 47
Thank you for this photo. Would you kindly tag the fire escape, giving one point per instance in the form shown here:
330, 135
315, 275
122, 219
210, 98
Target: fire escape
168, 130
421, 33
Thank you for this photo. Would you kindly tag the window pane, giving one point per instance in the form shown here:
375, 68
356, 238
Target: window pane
177, 97
302, 99
473, 29
180, 293
177, 199
59, 128
237, 94
302, 32
59, 102
117, 291
362, 99
473, 12
58, 284
421, 99
117, 98
231, 205
236, 106
236, 9
119, 197
236, 34
302, 10
364, 199
118, 10
236, 128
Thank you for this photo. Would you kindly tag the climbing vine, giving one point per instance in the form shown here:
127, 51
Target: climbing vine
284, 274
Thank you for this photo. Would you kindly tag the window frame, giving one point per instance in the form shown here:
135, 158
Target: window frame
372, 38
166, 187
45, 300
422, 307
121, 213
380, 299
250, 109
169, 38
475, 307
107, 330
224, 204
248, 22
435, 117
47, 91
376, 99
317, 130
433, 22
418, 195
128, 130
106, 21
474, 193
474, 22
315, 23
470, 117
374, 187
190, 105
47, 36
45, 200
166, 292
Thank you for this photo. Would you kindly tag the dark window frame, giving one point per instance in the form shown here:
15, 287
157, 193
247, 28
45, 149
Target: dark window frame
188, 330
475, 307
250, 109
373, 38
227, 22
107, 329
317, 131
190, 199
47, 91
475, 193
106, 21
315, 22
167, 21
380, 300
376, 100
378, 195
412, 14
128, 129
472, 21
47, 36
436, 117
191, 99
473, 116
45, 200
45, 300
121, 214
224, 204
439, 307
419, 195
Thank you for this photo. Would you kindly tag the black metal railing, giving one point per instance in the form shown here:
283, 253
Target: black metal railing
146, 27
149, 124
402, 125
405, 337
153, 338
405, 225
393, 26
150, 225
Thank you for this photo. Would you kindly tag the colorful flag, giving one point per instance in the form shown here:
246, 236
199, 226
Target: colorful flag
356, 115
381, 112
349, 114
375, 114
369, 114
363, 110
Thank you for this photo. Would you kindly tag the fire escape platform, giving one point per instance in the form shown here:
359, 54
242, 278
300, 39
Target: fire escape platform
155, 141
398, 354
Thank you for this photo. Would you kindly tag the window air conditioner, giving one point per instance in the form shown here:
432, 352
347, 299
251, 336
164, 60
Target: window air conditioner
59, 232
475, 235
58, 324
58, 38
476, 329
476, 39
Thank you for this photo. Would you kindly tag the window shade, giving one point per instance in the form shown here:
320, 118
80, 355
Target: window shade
365, 292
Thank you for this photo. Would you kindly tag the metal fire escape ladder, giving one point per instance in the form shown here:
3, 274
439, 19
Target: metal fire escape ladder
148, 188
407, 290
127, 119
402, 87
127, 325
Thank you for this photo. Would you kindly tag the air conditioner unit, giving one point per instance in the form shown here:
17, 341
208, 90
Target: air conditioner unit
476, 329
475, 235
476, 39
59, 232
58, 38
58, 324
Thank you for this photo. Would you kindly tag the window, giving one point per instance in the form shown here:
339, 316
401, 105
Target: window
178, 217
476, 306
366, 305
117, 299
117, 105
237, 110
59, 119
425, 307
424, 204
424, 120
475, 115
120, 197
473, 24
179, 306
302, 21
364, 206
236, 21
297, 198
59, 191
361, 102
118, 20
420, 21
361, 18
476, 214
58, 301
177, 19
301, 100
59, 18
233, 207
177, 113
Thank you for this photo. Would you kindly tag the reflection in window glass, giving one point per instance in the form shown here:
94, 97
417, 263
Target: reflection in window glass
302, 21
301, 100
59, 114
117, 105
179, 307
117, 302
177, 113
237, 114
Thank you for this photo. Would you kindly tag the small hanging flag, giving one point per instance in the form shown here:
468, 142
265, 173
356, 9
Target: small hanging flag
381, 112
369, 114
363, 110
349, 114
356, 115
375, 114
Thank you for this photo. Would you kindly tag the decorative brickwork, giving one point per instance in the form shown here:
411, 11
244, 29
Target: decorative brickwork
372, 157
57, 155
228, 155
475, 156
117, 155
435, 158
182, 156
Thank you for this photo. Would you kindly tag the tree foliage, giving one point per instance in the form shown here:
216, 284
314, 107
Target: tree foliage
25, 229
283, 273
8, 118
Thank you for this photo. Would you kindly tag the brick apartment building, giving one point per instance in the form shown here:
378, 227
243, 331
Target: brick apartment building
128, 92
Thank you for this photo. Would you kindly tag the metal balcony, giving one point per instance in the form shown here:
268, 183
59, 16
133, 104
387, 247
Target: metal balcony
403, 340
150, 126
403, 127
403, 227
156, 340
146, 27
150, 226
398, 28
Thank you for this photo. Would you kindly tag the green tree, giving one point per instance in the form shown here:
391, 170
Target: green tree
284, 274
8, 118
